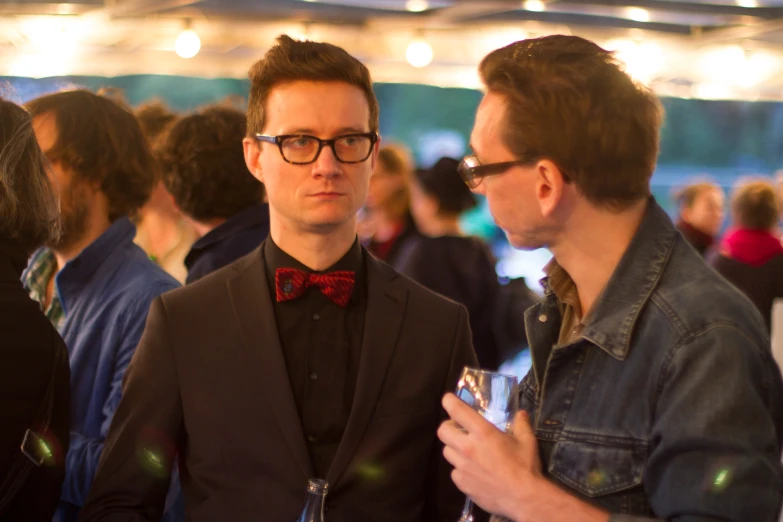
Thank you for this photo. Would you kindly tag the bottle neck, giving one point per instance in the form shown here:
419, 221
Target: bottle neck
316, 500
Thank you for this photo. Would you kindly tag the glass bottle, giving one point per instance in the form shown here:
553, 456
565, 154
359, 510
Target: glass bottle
313, 510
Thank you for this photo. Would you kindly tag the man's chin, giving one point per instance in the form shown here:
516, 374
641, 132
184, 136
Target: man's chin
523, 243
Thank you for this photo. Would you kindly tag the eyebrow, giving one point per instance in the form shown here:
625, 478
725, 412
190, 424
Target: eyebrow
341, 131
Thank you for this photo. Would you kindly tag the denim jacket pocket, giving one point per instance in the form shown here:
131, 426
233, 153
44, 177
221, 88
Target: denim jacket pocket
596, 469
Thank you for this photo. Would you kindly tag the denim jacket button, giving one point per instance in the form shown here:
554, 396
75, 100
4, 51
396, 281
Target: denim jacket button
552, 422
542, 318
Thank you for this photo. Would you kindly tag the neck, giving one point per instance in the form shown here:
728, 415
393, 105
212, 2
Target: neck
441, 226
316, 249
159, 230
97, 224
385, 227
592, 246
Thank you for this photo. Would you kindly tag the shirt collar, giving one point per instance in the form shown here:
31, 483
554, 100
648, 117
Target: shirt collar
250, 217
275, 258
83, 266
616, 312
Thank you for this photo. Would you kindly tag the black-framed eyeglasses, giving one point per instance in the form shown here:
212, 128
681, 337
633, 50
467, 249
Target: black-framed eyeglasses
301, 149
472, 171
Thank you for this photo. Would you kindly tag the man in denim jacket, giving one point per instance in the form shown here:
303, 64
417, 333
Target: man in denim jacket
653, 393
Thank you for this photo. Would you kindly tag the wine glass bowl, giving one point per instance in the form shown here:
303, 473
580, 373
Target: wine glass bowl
494, 396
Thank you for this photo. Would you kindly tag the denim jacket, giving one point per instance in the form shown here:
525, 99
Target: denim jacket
669, 406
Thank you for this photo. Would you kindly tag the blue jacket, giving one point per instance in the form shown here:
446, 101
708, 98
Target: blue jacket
669, 406
106, 292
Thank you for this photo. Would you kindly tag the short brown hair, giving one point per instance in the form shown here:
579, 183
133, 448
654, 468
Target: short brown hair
755, 204
101, 141
293, 60
204, 165
686, 195
29, 213
569, 101
155, 118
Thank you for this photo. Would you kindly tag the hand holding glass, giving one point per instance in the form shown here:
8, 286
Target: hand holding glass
494, 397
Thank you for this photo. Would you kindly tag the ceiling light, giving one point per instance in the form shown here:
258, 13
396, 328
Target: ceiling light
637, 14
419, 53
417, 6
187, 44
747, 3
534, 5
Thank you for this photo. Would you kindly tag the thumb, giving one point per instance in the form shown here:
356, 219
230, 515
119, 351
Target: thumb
521, 429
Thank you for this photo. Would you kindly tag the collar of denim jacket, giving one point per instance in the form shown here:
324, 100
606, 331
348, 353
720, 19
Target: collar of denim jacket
616, 313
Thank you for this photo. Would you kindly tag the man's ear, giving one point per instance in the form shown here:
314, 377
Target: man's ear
374, 155
253, 158
550, 183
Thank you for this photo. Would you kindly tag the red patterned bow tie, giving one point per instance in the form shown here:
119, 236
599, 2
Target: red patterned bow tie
292, 283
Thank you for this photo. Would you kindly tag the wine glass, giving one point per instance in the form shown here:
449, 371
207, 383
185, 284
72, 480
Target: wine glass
494, 397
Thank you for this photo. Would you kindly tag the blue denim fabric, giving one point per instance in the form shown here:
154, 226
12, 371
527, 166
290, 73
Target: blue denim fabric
670, 406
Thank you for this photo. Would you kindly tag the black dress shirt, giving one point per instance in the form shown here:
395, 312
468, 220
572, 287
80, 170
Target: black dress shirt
321, 343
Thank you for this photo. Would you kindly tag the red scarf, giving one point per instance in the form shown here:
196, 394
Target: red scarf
752, 247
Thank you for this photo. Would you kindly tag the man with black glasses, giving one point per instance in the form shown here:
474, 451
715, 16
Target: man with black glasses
653, 394
308, 358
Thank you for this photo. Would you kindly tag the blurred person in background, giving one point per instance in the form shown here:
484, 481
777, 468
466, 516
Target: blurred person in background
93, 283
204, 170
653, 394
161, 230
750, 254
34, 373
700, 213
388, 222
446, 261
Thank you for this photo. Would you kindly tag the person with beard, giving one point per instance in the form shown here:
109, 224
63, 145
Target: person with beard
93, 283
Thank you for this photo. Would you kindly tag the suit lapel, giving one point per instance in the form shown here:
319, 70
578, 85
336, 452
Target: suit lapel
252, 307
383, 318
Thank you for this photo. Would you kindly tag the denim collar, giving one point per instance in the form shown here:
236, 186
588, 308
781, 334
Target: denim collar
615, 314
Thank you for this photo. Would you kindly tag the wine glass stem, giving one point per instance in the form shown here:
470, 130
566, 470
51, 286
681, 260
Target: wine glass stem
467, 511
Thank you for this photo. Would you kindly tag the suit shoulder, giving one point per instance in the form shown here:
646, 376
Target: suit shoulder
418, 295
213, 283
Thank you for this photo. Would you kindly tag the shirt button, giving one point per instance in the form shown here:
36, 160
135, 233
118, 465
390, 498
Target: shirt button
311, 438
314, 376
316, 316
542, 318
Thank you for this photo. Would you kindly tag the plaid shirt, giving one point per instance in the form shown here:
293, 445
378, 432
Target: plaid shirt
40, 270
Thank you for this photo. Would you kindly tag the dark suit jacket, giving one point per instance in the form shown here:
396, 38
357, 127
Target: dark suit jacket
29, 347
209, 378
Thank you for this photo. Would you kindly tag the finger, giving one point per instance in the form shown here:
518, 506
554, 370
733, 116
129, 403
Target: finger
451, 434
454, 457
522, 430
464, 415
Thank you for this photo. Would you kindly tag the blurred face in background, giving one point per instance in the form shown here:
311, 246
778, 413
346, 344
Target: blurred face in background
326, 194
424, 207
388, 190
707, 212
75, 194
